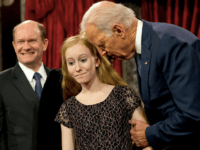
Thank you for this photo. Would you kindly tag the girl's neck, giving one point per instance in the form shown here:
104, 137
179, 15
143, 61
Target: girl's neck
94, 93
93, 86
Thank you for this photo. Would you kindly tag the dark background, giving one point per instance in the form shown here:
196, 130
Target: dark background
10, 16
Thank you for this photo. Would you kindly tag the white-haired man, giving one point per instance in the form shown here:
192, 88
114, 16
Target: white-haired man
168, 60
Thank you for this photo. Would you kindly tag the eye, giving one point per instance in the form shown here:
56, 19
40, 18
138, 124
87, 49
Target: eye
83, 60
102, 46
20, 42
71, 63
33, 40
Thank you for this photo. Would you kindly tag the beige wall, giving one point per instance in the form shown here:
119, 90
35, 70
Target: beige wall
1, 65
22, 9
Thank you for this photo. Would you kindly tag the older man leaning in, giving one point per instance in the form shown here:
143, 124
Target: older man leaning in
168, 62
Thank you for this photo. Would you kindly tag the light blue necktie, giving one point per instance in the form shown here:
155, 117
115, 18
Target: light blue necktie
38, 86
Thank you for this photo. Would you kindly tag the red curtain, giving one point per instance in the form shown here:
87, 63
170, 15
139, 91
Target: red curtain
61, 19
184, 13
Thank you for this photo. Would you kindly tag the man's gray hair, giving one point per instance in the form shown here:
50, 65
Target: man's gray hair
105, 17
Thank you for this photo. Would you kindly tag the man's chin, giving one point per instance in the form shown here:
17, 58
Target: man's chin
112, 58
120, 58
28, 63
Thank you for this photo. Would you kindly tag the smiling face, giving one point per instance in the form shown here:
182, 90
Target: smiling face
81, 64
29, 46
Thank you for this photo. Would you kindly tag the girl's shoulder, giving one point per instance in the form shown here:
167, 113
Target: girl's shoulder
69, 101
123, 88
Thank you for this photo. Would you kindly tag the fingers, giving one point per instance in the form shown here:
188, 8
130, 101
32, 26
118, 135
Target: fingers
133, 121
133, 138
148, 148
140, 142
133, 135
137, 142
138, 133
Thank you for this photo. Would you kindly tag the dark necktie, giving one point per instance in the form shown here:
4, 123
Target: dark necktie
38, 86
138, 57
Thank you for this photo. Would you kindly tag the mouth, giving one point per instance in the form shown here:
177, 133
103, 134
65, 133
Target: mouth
80, 74
28, 53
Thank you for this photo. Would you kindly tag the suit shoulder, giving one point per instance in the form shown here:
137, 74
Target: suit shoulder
54, 78
5, 74
55, 73
171, 30
5, 77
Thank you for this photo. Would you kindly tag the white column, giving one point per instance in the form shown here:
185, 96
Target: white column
8, 2
22, 9
1, 65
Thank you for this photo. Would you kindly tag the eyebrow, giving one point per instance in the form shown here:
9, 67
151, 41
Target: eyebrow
27, 40
102, 43
79, 56
32, 39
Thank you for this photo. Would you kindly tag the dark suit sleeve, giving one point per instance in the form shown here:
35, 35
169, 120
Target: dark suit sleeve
180, 66
49, 132
2, 133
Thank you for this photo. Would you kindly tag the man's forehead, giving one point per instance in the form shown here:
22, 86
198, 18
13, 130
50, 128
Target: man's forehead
95, 35
28, 26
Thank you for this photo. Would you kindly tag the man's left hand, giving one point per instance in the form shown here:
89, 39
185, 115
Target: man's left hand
138, 133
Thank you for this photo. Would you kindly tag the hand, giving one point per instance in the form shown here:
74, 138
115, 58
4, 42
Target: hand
138, 133
148, 148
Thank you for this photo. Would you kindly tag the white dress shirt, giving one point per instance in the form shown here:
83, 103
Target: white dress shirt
29, 75
138, 42
138, 39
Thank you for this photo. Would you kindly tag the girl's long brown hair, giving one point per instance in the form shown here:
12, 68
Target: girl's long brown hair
105, 72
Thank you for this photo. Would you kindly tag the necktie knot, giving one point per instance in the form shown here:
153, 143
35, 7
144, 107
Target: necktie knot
38, 86
37, 76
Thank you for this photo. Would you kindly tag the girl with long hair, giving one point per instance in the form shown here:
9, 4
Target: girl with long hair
98, 103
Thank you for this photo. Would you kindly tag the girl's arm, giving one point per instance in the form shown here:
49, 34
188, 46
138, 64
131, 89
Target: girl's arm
68, 139
139, 114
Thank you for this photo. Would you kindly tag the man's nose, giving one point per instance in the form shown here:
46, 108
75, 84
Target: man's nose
26, 45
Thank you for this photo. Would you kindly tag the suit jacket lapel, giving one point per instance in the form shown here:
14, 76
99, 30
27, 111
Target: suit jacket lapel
24, 87
145, 62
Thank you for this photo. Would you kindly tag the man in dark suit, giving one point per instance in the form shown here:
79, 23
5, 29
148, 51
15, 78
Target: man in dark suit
168, 61
28, 105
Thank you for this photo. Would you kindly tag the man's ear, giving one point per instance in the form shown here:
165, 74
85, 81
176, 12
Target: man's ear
118, 30
97, 61
13, 43
45, 44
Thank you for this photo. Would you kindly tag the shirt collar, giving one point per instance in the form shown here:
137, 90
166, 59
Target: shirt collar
138, 39
29, 72
42, 72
